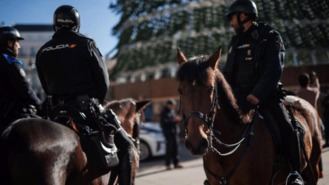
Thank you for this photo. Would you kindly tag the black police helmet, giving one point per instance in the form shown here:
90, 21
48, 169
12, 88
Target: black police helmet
243, 6
9, 33
66, 16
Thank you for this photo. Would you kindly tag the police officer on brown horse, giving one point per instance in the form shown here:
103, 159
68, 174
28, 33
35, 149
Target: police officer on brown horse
72, 73
253, 69
17, 99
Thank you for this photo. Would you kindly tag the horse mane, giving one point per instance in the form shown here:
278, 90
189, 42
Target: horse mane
195, 70
227, 91
118, 104
125, 100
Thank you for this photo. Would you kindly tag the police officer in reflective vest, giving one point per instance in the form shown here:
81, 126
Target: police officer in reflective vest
71, 70
17, 98
253, 69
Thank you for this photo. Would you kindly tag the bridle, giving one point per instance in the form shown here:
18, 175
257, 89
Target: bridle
209, 119
213, 136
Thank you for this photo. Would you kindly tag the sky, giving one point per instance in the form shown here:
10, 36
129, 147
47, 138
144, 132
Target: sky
96, 18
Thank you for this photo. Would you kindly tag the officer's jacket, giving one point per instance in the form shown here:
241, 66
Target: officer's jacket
255, 61
16, 92
71, 65
167, 121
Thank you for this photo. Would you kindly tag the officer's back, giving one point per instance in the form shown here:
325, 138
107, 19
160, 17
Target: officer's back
70, 65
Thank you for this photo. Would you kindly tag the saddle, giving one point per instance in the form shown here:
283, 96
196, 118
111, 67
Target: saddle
273, 127
99, 146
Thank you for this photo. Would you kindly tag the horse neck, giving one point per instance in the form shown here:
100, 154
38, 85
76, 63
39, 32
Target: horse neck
228, 115
128, 127
228, 126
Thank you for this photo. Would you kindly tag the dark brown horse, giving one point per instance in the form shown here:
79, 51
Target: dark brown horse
42, 152
129, 113
236, 153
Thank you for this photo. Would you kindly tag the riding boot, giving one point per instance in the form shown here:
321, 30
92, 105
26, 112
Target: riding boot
290, 134
125, 146
294, 177
294, 150
124, 171
125, 168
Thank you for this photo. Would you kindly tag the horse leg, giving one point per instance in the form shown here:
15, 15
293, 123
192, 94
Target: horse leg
125, 168
312, 171
78, 173
114, 176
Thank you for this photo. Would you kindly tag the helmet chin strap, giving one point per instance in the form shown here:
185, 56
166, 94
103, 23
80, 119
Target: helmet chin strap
241, 23
76, 28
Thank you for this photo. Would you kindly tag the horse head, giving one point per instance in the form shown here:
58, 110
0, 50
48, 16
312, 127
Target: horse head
202, 88
197, 79
129, 112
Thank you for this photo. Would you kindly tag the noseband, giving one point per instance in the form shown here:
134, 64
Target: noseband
207, 118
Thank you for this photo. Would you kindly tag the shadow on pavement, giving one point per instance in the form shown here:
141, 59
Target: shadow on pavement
157, 171
184, 155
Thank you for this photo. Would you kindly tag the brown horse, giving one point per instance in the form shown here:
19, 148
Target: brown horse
41, 152
250, 158
129, 113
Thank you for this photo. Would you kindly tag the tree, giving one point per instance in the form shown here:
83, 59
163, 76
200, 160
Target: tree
149, 31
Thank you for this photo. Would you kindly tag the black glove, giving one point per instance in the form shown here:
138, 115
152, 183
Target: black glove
111, 119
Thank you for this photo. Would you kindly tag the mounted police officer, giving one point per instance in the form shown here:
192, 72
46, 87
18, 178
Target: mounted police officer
72, 73
253, 69
17, 98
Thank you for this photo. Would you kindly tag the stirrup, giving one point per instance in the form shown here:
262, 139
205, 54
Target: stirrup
294, 178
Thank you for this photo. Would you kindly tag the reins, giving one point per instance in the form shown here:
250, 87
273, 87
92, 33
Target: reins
209, 119
213, 137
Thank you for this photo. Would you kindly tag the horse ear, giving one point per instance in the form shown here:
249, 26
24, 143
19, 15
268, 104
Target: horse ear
215, 58
140, 105
181, 58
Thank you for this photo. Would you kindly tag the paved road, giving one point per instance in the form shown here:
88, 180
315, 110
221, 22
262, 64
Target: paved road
153, 172
325, 157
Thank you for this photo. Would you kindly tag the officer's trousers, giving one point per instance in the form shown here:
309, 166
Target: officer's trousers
289, 138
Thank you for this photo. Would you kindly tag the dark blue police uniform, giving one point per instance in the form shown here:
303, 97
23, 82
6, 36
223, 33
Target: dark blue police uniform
16, 94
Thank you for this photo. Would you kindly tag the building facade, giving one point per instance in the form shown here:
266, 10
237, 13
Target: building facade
35, 35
